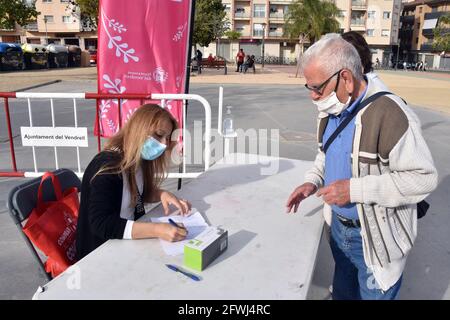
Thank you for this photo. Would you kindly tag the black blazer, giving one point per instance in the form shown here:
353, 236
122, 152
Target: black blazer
99, 215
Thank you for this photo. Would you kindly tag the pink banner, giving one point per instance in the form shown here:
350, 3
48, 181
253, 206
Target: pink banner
142, 48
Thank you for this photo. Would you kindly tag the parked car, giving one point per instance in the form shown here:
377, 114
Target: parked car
409, 65
93, 54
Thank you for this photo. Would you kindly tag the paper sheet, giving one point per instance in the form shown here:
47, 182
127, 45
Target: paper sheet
194, 223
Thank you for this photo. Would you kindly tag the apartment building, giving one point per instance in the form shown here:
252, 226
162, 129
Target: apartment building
59, 22
258, 21
418, 22
377, 20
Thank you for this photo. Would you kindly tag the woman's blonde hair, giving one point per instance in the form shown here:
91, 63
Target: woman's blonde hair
127, 143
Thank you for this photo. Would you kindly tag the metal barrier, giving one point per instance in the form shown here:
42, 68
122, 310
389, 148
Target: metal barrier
94, 96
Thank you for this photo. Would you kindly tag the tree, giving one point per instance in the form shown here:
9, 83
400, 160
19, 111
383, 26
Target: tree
16, 11
210, 22
88, 11
442, 34
232, 34
309, 20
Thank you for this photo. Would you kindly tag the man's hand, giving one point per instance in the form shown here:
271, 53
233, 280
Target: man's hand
168, 199
300, 193
337, 193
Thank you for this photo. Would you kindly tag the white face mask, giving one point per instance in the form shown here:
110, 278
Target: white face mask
331, 105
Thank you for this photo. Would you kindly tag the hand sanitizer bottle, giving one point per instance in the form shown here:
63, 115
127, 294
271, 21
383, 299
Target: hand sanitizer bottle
228, 123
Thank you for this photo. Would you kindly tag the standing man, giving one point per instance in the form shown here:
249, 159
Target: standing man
199, 56
240, 60
371, 176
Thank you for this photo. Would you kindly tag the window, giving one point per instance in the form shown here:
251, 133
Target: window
65, 1
240, 12
259, 10
386, 15
370, 32
49, 19
418, 25
66, 19
227, 7
371, 14
417, 40
258, 30
46, 1
385, 33
342, 13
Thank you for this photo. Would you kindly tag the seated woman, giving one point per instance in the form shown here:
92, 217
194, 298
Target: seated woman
124, 176
249, 63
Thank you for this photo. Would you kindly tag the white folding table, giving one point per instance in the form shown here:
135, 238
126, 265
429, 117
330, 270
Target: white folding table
270, 255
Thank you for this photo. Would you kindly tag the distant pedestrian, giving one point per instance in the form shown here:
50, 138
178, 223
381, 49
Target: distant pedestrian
240, 60
199, 57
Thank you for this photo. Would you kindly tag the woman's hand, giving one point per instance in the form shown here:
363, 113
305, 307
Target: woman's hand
168, 199
168, 232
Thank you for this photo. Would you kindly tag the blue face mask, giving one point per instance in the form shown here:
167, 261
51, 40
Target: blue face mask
152, 149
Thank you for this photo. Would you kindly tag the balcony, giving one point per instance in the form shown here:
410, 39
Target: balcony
428, 32
285, 2
276, 34
435, 15
427, 47
242, 15
407, 19
258, 33
33, 26
276, 15
359, 5
358, 25
245, 34
358, 22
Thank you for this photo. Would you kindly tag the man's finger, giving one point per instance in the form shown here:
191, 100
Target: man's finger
289, 201
288, 208
296, 207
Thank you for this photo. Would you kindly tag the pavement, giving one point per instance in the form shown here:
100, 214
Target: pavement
265, 100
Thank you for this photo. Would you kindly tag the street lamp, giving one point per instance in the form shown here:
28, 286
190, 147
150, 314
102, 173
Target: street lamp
263, 35
46, 35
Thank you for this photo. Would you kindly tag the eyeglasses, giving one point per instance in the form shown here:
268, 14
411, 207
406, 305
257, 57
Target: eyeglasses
320, 88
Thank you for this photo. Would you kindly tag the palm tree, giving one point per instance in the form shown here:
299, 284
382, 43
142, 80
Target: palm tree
309, 20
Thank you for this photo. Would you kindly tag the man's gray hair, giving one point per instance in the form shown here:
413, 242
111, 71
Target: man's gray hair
332, 53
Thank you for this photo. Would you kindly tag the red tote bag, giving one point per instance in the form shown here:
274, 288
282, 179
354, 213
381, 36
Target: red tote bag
52, 226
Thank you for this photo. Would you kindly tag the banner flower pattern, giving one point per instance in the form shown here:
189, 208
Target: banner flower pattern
140, 51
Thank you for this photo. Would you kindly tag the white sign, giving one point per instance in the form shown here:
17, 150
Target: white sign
54, 137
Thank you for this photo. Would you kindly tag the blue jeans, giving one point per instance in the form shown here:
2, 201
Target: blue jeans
352, 279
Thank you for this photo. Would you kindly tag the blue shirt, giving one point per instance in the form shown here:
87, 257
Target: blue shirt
338, 165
